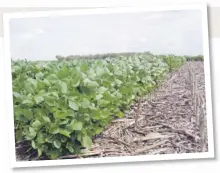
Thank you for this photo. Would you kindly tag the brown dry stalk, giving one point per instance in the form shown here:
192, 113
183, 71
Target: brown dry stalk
116, 140
142, 131
201, 122
195, 94
198, 109
88, 154
122, 120
139, 132
190, 76
81, 155
138, 111
171, 88
182, 131
153, 135
181, 146
159, 150
147, 148
172, 77
192, 85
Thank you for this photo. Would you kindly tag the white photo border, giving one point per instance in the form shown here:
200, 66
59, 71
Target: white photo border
121, 159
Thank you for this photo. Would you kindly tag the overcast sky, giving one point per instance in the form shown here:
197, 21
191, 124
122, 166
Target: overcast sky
170, 32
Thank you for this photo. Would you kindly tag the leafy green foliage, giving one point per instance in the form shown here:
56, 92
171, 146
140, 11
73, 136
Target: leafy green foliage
195, 58
174, 62
60, 105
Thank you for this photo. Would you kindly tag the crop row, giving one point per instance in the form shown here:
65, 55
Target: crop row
60, 105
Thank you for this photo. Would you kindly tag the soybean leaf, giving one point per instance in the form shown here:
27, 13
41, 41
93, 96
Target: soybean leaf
57, 143
85, 103
64, 132
73, 105
86, 141
38, 99
36, 124
75, 125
